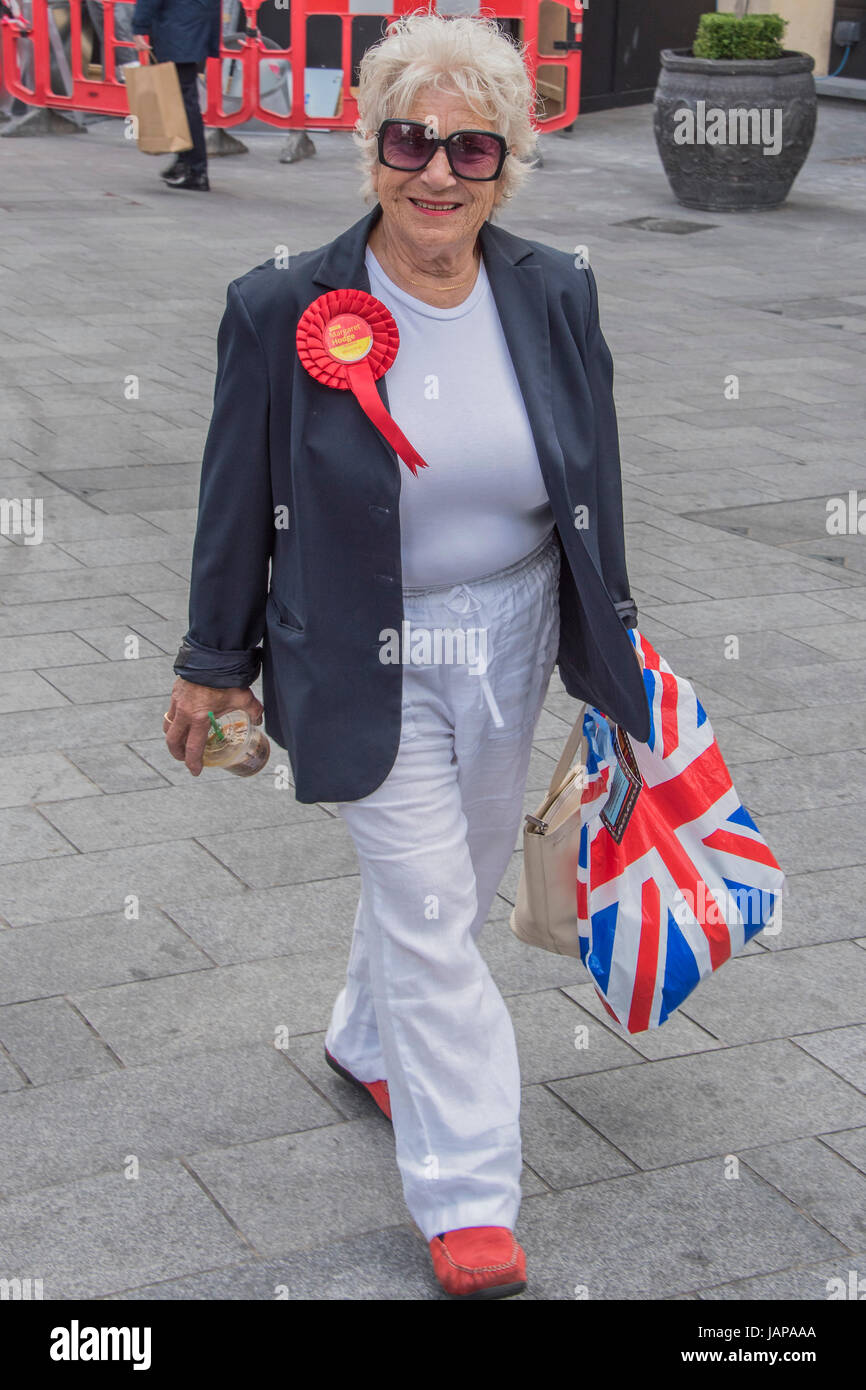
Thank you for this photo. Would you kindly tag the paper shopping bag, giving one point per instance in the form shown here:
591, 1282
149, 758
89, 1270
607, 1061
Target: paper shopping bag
156, 102
673, 875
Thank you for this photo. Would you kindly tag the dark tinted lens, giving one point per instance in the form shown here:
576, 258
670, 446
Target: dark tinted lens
475, 155
406, 145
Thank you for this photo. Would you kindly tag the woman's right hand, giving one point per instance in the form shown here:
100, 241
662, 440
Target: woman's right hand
186, 724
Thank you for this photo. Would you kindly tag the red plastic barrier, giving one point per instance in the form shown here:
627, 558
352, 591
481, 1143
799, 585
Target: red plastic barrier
107, 95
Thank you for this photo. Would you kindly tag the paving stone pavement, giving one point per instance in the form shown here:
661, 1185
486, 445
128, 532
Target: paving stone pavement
154, 1141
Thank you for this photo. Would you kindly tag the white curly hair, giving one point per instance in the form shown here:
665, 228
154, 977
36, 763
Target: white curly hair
467, 56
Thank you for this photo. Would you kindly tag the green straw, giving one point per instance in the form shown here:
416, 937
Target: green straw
215, 726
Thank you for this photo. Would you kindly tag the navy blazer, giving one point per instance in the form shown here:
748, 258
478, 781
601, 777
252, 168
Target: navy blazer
280, 439
180, 31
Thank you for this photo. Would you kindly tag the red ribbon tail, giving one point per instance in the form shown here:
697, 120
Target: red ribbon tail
363, 385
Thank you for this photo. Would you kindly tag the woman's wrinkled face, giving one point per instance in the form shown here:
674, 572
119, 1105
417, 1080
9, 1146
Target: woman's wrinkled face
431, 210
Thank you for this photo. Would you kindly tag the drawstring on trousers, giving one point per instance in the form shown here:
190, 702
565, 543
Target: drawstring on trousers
461, 600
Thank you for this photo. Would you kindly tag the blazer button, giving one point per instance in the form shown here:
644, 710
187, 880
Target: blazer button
379, 513
387, 579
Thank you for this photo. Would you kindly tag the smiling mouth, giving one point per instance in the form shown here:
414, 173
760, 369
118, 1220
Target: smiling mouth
434, 207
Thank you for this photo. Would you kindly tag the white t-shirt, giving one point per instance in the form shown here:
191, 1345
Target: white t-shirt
481, 504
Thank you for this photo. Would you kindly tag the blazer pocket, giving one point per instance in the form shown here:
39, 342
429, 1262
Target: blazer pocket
285, 616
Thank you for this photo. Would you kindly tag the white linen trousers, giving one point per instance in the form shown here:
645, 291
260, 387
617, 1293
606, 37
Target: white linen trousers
420, 1009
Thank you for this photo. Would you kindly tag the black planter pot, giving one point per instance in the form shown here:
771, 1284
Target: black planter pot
734, 175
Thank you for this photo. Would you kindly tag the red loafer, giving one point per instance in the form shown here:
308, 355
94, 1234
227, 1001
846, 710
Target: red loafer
377, 1089
479, 1262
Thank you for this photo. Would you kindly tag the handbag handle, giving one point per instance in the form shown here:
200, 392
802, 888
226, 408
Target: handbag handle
574, 738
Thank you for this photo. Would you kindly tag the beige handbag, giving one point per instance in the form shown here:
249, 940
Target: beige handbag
545, 913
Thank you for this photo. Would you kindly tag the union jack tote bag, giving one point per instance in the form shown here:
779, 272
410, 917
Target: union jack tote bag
673, 875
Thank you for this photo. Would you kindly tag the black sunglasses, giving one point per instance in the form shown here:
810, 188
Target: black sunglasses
472, 154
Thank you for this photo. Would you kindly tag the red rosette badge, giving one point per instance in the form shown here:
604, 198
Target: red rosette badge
347, 339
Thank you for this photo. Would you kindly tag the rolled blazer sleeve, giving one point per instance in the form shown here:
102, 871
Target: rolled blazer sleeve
235, 528
610, 521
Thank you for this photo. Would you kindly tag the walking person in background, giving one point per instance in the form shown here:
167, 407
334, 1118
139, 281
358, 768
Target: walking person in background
186, 33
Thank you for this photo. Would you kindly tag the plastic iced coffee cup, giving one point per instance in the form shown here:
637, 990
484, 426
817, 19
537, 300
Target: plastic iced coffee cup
236, 744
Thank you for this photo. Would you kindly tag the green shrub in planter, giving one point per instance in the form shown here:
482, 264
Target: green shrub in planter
735, 114
746, 36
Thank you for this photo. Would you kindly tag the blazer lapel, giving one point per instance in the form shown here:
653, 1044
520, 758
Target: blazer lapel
517, 283
343, 265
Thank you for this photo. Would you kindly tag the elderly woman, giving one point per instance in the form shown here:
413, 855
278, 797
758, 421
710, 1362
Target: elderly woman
510, 540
